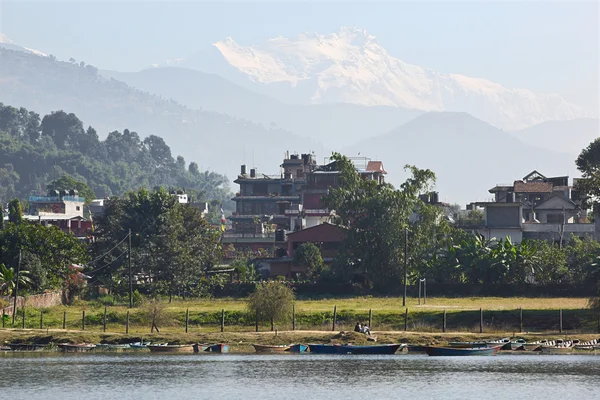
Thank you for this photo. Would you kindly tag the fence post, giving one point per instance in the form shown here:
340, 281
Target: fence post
83, 320
104, 321
64, 320
444, 325
481, 320
560, 320
424, 290
127, 324
256, 321
222, 320
370, 318
41, 319
294, 316
3, 317
23, 317
419, 292
406, 320
521, 319
334, 317
187, 319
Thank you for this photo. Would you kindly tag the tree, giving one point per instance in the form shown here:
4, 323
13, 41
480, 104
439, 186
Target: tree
309, 256
1, 216
172, 242
377, 217
272, 301
68, 183
15, 213
588, 163
8, 280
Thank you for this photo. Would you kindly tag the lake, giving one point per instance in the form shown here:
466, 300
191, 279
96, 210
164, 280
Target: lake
53, 376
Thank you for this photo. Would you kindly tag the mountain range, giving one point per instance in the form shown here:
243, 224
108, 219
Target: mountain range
351, 66
223, 122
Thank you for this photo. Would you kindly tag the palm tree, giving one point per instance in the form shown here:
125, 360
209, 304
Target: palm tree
8, 280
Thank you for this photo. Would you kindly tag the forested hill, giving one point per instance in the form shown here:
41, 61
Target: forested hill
35, 151
219, 142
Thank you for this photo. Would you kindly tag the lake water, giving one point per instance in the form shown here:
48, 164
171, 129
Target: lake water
145, 376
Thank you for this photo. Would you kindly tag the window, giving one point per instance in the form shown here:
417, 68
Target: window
77, 208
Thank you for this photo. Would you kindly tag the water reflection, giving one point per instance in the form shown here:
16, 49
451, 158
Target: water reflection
150, 376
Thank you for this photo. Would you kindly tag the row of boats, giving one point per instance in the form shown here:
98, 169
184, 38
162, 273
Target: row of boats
481, 348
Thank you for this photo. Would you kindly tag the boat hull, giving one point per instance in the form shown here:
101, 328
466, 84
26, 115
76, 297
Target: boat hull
25, 347
324, 348
375, 349
459, 351
184, 348
219, 348
556, 350
76, 348
260, 348
298, 348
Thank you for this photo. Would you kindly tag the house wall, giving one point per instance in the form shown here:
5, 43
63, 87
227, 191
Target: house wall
503, 217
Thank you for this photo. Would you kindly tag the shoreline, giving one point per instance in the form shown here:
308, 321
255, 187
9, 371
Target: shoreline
241, 342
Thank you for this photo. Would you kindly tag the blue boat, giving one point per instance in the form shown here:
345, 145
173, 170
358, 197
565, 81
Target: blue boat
324, 348
298, 348
374, 349
461, 351
218, 348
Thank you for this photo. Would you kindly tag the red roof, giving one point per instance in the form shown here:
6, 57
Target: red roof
533, 187
324, 232
375, 166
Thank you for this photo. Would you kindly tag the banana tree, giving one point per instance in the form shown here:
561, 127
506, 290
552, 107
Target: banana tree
8, 280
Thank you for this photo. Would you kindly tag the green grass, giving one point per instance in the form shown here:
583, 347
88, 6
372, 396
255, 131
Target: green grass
500, 315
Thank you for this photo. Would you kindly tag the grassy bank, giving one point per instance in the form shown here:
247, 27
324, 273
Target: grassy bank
462, 315
242, 341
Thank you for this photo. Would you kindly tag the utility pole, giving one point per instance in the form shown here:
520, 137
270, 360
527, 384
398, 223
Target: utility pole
405, 266
130, 277
16, 288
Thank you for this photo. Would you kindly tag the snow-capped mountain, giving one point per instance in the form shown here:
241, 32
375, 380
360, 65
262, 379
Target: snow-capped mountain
9, 44
351, 66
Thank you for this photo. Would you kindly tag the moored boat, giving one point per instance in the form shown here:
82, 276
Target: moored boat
298, 348
76, 348
264, 348
323, 348
112, 347
171, 348
218, 348
438, 351
374, 349
25, 346
139, 345
415, 348
200, 347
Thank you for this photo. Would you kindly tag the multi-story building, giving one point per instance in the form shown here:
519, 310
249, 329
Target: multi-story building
270, 206
63, 209
535, 207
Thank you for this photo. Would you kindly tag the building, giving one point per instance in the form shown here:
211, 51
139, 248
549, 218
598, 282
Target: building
535, 207
64, 209
269, 207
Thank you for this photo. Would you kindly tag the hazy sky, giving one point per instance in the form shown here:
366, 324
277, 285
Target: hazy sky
539, 45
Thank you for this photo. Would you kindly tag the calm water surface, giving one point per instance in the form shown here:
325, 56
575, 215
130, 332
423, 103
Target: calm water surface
153, 376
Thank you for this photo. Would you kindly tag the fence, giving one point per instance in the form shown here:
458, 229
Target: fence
116, 319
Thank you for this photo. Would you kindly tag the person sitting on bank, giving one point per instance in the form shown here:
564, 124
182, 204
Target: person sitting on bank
358, 327
366, 330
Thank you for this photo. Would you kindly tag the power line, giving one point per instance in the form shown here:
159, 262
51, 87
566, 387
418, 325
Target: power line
108, 252
106, 265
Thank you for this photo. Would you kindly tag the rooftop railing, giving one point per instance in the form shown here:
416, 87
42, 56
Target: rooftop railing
54, 199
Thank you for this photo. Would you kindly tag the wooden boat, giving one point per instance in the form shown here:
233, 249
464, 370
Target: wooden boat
218, 348
415, 348
374, 349
139, 345
461, 351
263, 348
200, 347
76, 348
171, 348
112, 347
323, 348
298, 348
25, 346
506, 344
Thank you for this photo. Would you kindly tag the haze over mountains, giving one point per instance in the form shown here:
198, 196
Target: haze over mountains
351, 66
233, 104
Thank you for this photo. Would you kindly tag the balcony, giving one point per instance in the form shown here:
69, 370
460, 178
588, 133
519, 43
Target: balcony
55, 199
249, 235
